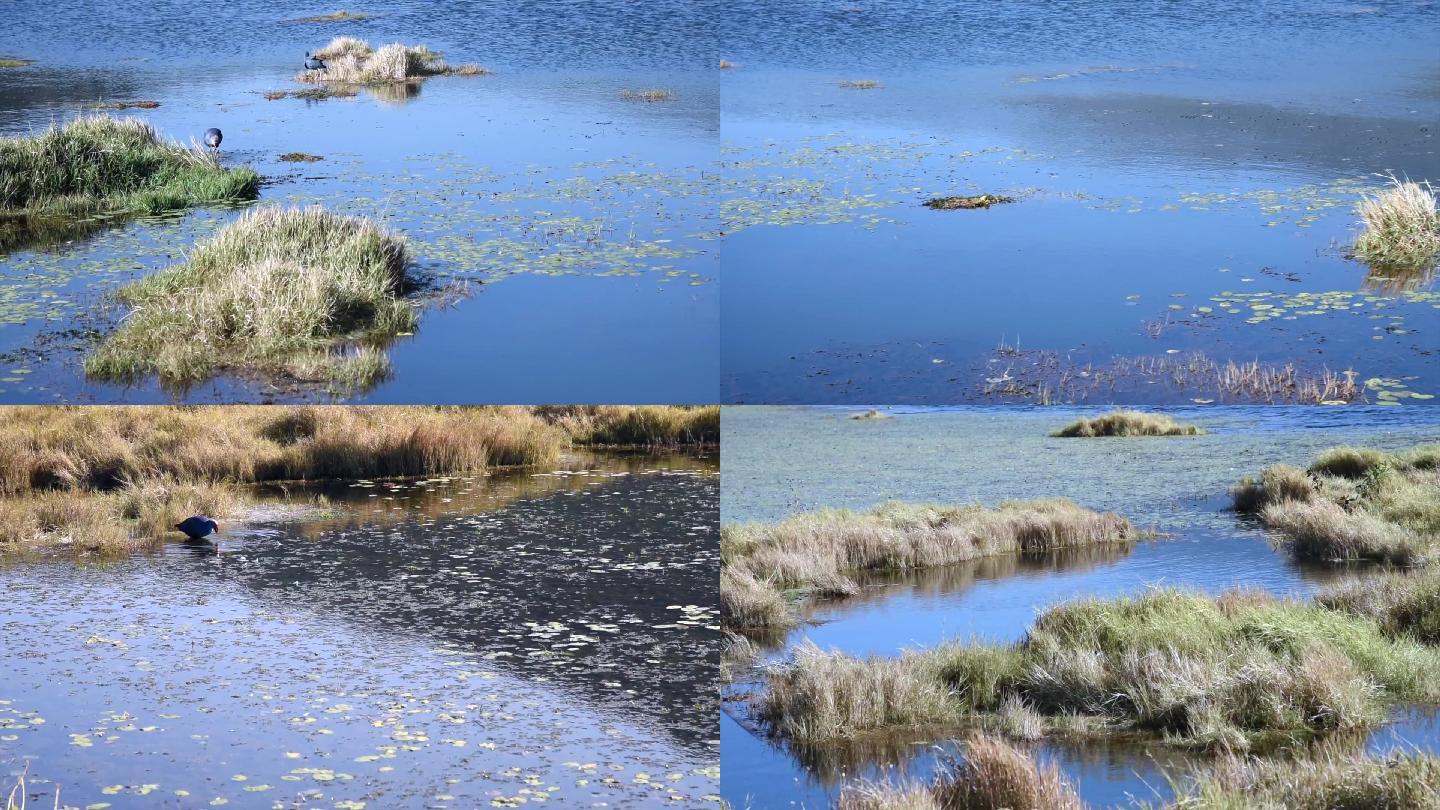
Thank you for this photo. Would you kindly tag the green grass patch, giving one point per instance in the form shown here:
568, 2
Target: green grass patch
765, 566
98, 169
1127, 423
1352, 504
278, 291
1238, 672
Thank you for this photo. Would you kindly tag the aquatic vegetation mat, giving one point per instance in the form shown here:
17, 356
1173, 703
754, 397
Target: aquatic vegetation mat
966, 203
93, 170
276, 291
1241, 671
1127, 423
1352, 504
766, 567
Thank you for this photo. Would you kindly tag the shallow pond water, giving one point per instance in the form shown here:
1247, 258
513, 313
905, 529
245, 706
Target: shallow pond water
591, 208
460, 642
1184, 177
780, 461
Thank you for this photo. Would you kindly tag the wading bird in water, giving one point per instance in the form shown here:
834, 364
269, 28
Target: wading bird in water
213, 137
197, 527
313, 62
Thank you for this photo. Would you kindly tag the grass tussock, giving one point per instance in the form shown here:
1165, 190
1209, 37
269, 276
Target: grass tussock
1352, 504
1127, 423
351, 61
860, 84
275, 291
871, 416
967, 203
1332, 780
1235, 672
650, 96
1401, 227
100, 166
472, 69
815, 553
1402, 603
992, 775
300, 157
637, 425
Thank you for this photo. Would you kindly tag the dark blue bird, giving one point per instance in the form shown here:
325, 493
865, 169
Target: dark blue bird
197, 527
213, 137
313, 62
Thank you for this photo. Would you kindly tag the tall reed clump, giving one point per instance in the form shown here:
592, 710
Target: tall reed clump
277, 291
1239, 671
114, 478
1401, 227
1127, 423
101, 165
637, 425
815, 553
991, 775
1352, 504
1338, 779
352, 61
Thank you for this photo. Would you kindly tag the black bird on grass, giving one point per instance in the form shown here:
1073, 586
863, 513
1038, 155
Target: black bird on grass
198, 527
213, 137
313, 62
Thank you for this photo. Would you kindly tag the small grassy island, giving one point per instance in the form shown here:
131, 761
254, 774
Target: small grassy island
1127, 423
77, 176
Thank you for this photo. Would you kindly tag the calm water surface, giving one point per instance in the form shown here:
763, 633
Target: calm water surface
591, 208
440, 643
780, 461
1185, 177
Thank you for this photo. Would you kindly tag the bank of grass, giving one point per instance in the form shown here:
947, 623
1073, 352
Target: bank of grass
766, 567
1403, 603
1352, 504
1329, 780
637, 425
1236, 672
1127, 423
110, 479
349, 60
992, 775
278, 291
1401, 227
102, 167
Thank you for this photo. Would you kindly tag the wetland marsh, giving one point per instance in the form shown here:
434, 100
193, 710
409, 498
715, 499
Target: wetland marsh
547, 635
1185, 180
781, 462
530, 166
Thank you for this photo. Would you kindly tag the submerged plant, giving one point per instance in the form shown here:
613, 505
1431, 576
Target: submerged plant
1401, 227
276, 291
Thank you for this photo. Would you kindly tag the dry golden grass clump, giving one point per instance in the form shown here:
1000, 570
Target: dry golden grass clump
816, 553
1240, 671
992, 775
1127, 423
1353, 504
349, 60
278, 291
1401, 227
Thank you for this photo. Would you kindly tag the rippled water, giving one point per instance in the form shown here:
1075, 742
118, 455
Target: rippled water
441, 643
785, 460
592, 209
1179, 170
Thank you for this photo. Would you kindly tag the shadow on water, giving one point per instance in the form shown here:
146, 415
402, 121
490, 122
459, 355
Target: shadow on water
456, 641
784, 460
